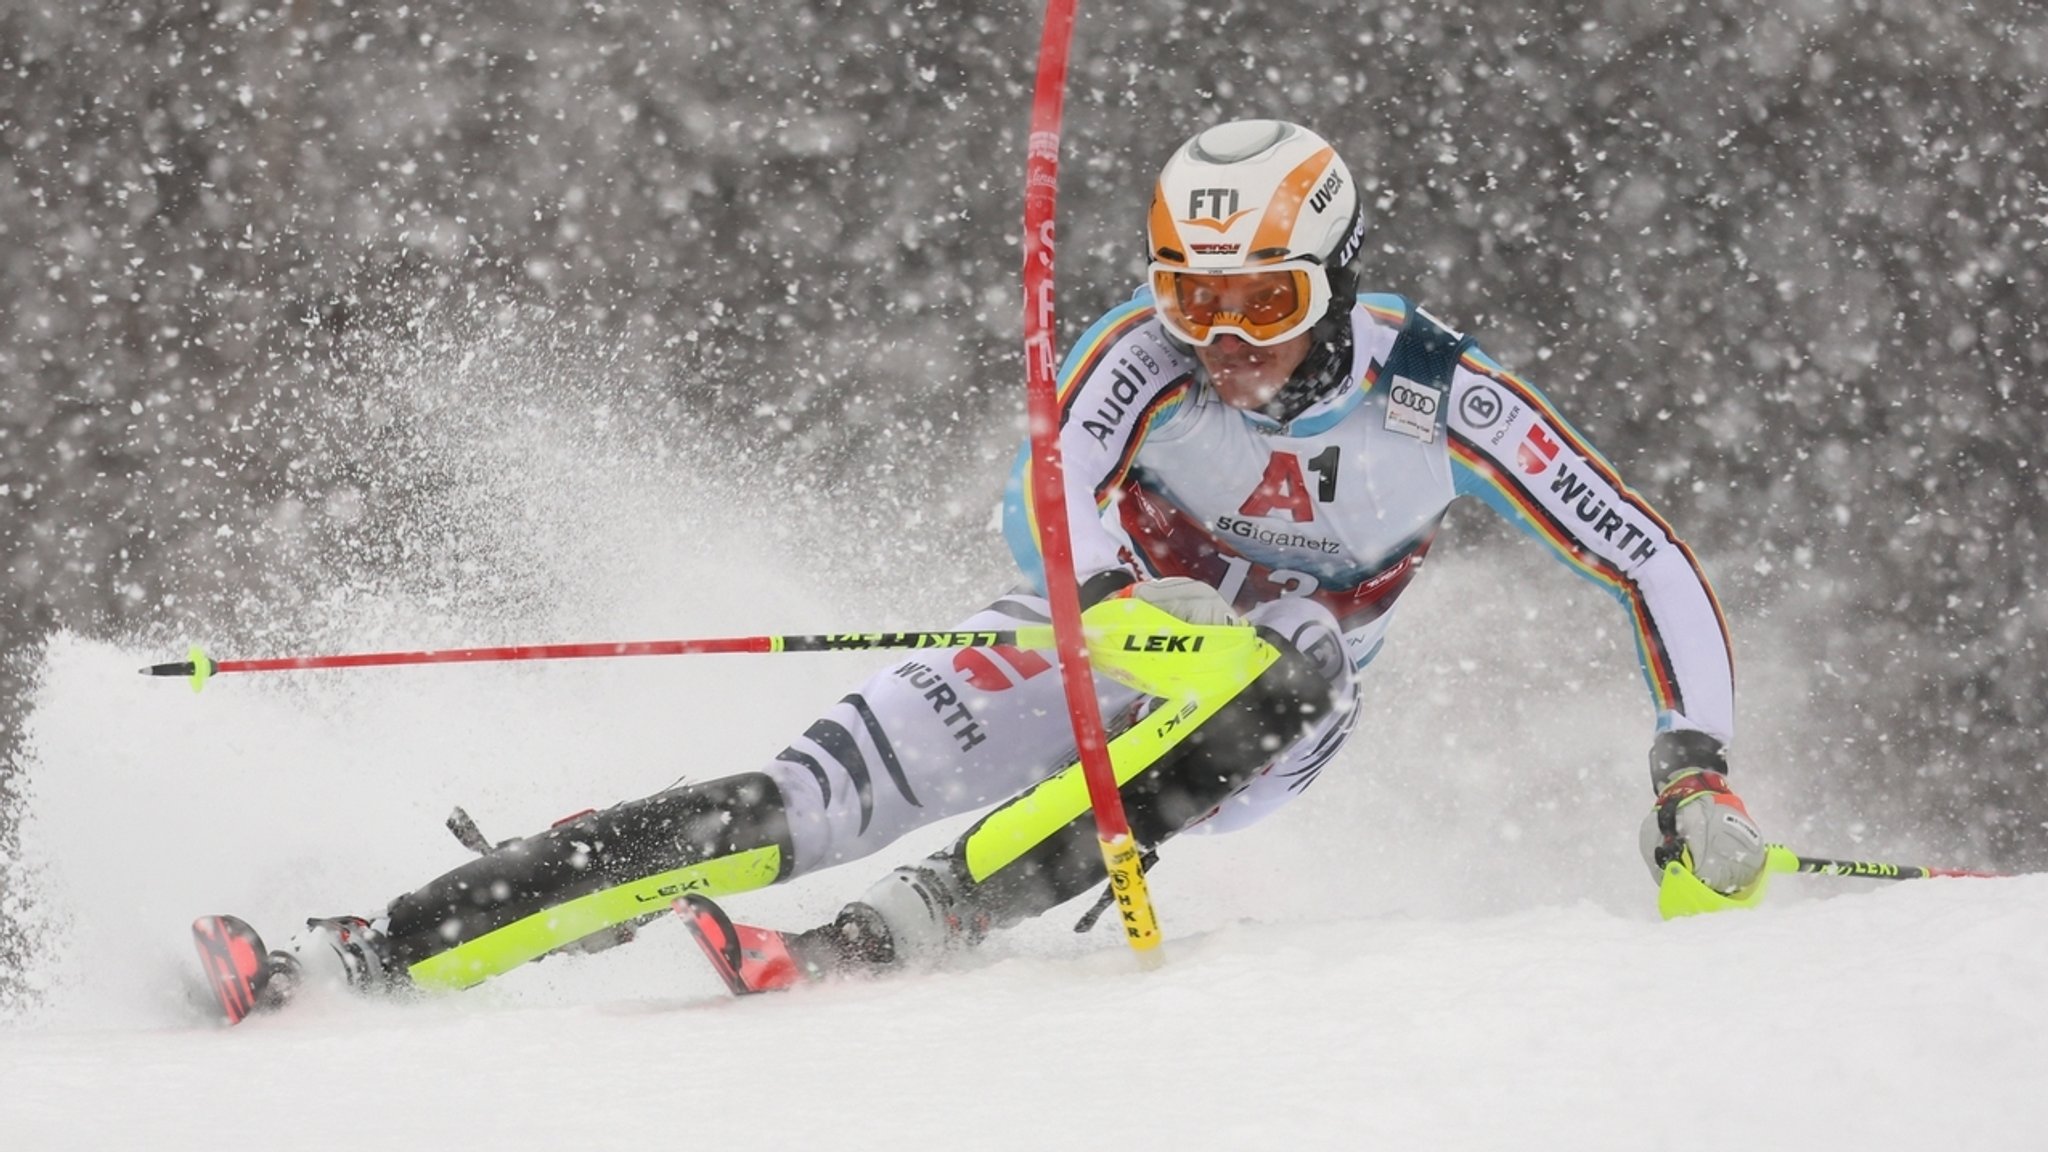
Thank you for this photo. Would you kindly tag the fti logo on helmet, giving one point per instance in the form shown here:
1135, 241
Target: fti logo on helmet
1221, 204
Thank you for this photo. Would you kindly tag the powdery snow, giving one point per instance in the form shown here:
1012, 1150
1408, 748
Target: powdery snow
1307, 1002
1908, 1019
1448, 942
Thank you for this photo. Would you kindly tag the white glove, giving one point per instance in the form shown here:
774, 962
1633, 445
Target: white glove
1186, 599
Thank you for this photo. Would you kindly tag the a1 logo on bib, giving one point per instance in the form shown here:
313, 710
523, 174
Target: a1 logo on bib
1412, 409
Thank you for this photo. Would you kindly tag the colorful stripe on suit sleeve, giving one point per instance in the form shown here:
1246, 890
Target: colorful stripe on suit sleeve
1480, 363
1508, 497
1020, 516
1159, 411
1020, 509
1386, 308
1095, 344
1504, 491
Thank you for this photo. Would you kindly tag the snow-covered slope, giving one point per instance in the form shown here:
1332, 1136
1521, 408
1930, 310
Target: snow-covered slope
1448, 942
1338, 977
1905, 1019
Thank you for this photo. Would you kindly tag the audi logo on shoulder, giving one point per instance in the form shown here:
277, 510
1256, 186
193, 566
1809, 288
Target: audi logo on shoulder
1419, 399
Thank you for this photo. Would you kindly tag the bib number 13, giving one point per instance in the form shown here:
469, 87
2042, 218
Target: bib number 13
1241, 575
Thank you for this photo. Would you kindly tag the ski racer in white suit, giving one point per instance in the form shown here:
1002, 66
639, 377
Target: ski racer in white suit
1248, 437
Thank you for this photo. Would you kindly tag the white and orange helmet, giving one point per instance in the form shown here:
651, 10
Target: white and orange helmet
1254, 198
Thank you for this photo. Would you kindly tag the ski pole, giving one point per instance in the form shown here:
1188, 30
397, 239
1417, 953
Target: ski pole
1681, 893
198, 667
1783, 859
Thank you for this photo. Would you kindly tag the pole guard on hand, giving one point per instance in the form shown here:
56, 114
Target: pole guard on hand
1680, 893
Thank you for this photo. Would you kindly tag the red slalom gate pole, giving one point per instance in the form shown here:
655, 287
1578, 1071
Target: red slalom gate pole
1120, 854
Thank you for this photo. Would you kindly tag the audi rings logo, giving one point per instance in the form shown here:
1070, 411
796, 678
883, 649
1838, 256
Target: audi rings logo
1413, 398
1481, 409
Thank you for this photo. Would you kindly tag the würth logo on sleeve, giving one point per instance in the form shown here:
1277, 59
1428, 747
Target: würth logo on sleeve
1536, 452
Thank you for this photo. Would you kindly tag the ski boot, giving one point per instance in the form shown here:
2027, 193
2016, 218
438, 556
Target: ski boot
337, 951
751, 959
907, 917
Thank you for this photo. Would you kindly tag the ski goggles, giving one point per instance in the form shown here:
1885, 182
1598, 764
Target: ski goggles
1265, 305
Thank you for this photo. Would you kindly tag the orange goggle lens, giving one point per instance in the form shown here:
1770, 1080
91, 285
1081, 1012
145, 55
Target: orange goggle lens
1265, 306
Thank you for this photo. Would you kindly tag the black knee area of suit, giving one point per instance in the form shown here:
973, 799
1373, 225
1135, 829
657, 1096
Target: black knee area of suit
1225, 753
672, 829
1182, 787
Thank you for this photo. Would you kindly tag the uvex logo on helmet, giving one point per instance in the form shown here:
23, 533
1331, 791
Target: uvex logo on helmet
1327, 193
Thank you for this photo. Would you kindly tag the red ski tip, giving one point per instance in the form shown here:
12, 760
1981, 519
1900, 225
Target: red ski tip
232, 957
748, 959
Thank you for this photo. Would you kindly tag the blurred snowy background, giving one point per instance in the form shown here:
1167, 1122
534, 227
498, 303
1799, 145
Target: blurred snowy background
265, 267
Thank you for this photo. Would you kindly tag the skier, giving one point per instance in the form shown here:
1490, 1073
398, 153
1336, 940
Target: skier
1247, 441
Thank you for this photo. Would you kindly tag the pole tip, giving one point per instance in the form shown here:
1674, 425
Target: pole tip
197, 667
